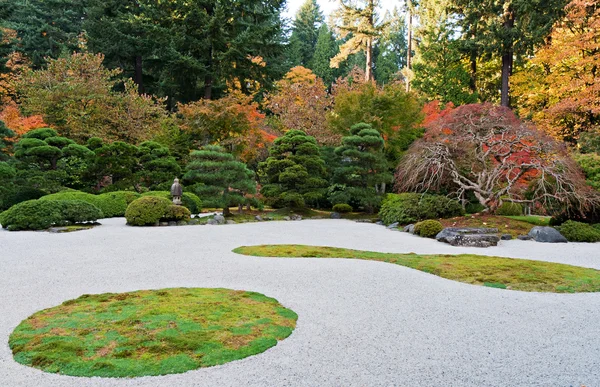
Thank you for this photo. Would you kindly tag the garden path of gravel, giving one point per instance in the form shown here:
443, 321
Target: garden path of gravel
361, 323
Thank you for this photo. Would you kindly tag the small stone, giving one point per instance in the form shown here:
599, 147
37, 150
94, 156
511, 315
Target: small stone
193, 222
287, 218
524, 238
410, 228
506, 237
379, 223
231, 222
172, 223
393, 225
182, 223
258, 218
163, 224
336, 215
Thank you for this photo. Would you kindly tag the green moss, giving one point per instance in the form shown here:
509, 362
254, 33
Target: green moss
508, 273
150, 332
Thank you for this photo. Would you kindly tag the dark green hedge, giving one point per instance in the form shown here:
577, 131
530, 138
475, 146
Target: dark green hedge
42, 214
408, 208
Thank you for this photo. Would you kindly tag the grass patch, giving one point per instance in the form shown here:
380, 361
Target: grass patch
505, 225
535, 220
150, 332
503, 273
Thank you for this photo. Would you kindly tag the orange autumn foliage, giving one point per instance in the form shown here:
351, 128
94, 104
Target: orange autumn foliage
15, 121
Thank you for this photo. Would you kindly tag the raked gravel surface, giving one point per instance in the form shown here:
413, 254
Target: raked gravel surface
360, 323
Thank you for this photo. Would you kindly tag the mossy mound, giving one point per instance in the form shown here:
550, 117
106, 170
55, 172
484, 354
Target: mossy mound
150, 332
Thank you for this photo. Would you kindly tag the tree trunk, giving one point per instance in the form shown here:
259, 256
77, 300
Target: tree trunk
138, 75
507, 60
409, 50
240, 208
369, 65
473, 80
226, 211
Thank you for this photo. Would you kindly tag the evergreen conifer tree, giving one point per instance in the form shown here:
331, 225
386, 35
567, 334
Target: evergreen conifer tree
294, 174
218, 179
363, 171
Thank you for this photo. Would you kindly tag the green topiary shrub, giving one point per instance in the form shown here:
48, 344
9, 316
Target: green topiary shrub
41, 214
408, 208
342, 208
428, 228
176, 213
115, 203
77, 211
510, 209
189, 200
146, 210
579, 232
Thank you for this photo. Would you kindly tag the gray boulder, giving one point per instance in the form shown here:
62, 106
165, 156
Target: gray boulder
469, 237
296, 217
258, 218
506, 237
287, 218
336, 215
546, 235
410, 228
219, 219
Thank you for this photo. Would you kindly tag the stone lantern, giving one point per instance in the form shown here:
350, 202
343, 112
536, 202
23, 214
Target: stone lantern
176, 192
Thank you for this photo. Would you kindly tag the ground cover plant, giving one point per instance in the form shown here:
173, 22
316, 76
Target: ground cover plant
150, 332
514, 226
505, 273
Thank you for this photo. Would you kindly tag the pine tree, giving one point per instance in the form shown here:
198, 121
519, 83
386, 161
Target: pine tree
305, 33
325, 49
218, 179
439, 68
358, 22
363, 171
294, 174
390, 51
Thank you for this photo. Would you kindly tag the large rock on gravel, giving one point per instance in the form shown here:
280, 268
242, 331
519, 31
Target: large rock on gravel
546, 235
469, 237
410, 228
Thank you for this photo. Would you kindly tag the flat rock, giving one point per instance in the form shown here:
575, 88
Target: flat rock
506, 237
393, 225
410, 228
469, 237
546, 235
336, 215
524, 238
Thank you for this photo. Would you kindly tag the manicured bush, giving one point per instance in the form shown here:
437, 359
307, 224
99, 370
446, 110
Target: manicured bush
112, 204
510, 209
21, 194
342, 208
408, 208
428, 228
579, 232
176, 213
42, 214
189, 200
146, 211
77, 211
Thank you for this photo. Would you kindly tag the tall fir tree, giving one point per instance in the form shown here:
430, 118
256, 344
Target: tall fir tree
325, 49
357, 21
305, 32
390, 51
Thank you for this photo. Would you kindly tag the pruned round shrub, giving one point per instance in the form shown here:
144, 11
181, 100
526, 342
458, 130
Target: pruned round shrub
115, 203
579, 232
510, 209
177, 213
428, 228
408, 208
41, 214
189, 200
146, 211
342, 208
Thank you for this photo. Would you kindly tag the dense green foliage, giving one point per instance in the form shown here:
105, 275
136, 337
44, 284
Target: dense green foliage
363, 170
42, 214
342, 208
112, 204
177, 213
218, 179
294, 174
5, 135
428, 228
510, 209
590, 164
579, 232
147, 211
189, 200
411, 207
134, 334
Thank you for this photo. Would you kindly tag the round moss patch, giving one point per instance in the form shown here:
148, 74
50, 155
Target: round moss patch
150, 332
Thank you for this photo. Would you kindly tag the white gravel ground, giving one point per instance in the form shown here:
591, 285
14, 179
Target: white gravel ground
360, 323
